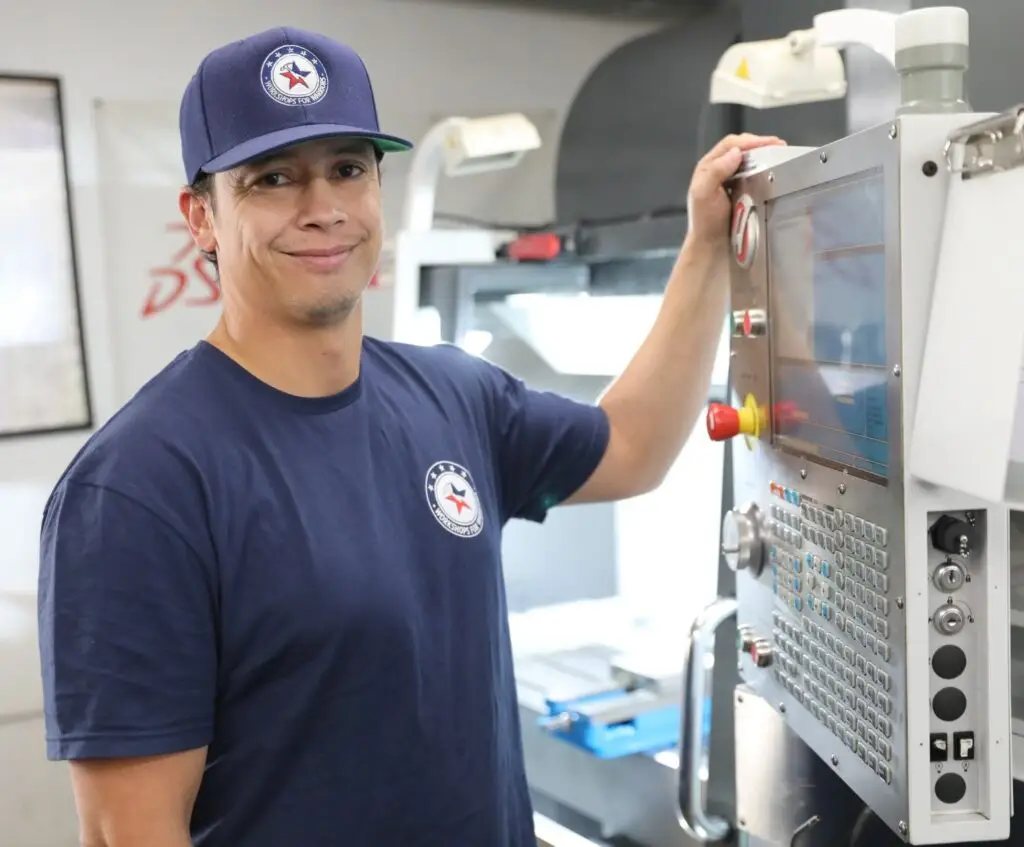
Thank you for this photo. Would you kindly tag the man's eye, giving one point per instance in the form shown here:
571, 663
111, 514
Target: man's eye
350, 171
271, 180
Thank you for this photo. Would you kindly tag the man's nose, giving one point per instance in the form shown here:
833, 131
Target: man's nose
321, 205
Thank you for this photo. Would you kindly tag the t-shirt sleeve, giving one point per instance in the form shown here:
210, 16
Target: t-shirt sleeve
548, 445
127, 630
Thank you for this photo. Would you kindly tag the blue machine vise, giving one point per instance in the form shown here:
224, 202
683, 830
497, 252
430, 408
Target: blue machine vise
605, 726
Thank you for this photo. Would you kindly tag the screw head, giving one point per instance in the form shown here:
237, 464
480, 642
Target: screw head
896, 371
823, 157
835, 760
899, 603
892, 130
842, 488
803, 473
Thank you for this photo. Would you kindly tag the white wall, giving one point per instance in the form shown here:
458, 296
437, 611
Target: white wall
424, 60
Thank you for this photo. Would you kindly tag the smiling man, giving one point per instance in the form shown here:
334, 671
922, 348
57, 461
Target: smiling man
271, 605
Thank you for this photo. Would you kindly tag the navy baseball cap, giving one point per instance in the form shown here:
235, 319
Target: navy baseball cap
271, 90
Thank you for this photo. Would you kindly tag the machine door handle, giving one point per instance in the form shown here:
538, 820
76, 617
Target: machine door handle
695, 734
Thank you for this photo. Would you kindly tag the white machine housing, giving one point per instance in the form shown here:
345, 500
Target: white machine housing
888, 656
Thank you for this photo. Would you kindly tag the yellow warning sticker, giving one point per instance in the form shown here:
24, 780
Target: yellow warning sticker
743, 72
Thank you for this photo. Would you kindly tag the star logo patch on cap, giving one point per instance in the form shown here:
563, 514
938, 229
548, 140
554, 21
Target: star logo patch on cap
294, 76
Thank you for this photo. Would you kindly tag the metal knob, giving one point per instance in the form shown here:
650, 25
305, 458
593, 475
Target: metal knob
762, 653
741, 539
949, 620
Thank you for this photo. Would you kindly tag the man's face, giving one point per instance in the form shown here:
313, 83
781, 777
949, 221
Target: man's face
298, 235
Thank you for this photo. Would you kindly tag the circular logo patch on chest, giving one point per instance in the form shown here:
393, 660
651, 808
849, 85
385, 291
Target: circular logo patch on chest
453, 499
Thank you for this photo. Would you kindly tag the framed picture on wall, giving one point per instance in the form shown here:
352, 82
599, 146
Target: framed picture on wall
44, 386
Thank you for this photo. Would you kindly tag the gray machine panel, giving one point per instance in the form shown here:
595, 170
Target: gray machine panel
872, 609
828, 596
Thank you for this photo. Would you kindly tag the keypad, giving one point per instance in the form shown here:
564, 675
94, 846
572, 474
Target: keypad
845, 692
830, 570
841, 578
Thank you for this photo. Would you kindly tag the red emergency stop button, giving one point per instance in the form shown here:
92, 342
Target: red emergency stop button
723, 422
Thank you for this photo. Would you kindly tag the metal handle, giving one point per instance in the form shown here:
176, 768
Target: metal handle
695, 734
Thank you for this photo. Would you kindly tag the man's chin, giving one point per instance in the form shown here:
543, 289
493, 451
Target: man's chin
331, 313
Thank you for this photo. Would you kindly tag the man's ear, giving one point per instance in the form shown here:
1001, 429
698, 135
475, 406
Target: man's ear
197, 211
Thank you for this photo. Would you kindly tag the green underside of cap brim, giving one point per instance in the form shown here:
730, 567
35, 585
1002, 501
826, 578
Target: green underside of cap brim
391, 146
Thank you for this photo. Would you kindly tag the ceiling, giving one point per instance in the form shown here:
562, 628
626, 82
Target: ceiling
625, 9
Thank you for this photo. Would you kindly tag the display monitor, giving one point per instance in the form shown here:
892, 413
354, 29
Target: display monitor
827, 296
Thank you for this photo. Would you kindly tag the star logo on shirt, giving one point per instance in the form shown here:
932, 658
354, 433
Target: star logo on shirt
453, 499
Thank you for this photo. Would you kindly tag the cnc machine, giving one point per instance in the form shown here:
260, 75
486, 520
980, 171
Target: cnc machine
873, 573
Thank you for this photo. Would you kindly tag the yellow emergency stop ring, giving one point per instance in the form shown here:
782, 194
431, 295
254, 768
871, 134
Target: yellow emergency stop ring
752, 419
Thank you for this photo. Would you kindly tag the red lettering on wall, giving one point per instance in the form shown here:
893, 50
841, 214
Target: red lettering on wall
187, 279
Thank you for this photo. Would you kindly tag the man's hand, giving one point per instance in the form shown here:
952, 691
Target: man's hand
707, 203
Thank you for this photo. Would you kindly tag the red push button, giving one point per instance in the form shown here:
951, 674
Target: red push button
723, 422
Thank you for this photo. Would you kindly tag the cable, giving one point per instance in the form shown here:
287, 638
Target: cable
803, 829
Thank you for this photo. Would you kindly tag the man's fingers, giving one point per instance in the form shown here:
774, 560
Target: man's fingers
744, 141
720, 169
724, 159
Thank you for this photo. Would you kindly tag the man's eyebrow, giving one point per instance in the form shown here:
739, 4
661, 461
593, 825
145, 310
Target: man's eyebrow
345, 148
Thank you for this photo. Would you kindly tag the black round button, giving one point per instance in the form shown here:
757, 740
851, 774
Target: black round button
949, 661
949, 704
950, 788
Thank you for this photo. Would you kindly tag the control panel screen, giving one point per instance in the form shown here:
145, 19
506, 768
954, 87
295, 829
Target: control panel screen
826, 287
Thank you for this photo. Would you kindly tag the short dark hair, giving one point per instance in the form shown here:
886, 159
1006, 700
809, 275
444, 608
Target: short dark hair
203, 188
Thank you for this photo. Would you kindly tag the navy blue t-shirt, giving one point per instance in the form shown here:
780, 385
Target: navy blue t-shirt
313, 589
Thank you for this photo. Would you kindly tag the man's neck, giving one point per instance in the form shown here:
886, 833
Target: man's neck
304, 361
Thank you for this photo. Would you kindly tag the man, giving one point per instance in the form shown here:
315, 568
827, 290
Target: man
271, 604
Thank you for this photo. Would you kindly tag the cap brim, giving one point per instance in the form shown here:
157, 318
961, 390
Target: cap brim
256, 148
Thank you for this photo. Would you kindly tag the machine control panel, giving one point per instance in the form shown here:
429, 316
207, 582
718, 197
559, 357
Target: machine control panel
864, 600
